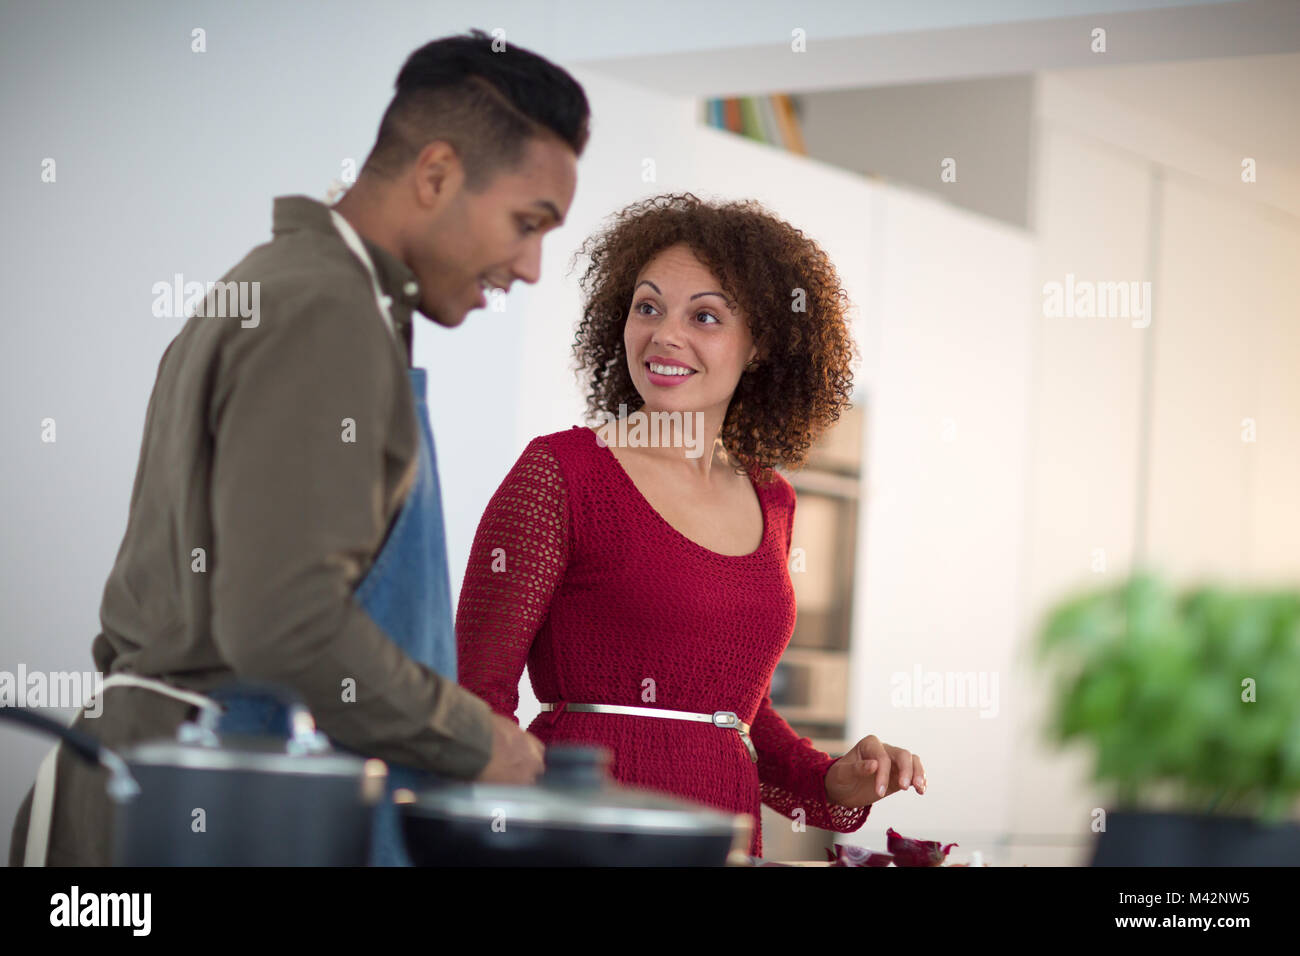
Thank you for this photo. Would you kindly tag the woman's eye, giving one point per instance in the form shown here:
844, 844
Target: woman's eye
526, 227
649, 305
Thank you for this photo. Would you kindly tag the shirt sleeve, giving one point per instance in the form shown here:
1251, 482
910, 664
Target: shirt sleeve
518, 558
791, 771
298, 513
792, 774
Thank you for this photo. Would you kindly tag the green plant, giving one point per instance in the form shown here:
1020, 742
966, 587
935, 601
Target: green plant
1200, 691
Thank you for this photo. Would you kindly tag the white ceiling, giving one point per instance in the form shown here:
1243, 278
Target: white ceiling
1010, 37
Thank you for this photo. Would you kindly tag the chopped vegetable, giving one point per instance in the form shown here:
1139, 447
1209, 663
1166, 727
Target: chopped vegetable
844, 855
902, 852
909, 852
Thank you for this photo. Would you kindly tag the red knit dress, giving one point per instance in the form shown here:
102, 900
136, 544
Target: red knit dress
573, 572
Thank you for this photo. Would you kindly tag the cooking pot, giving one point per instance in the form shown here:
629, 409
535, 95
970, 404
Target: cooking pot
207, 800
574, 816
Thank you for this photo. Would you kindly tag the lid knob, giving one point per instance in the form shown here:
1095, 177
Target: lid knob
576, 767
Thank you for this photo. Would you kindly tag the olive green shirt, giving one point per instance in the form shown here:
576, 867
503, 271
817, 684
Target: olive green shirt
277, 450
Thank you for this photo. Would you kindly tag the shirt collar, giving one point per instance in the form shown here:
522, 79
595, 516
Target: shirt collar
396, 279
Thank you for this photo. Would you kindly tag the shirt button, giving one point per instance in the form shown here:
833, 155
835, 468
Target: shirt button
410, 288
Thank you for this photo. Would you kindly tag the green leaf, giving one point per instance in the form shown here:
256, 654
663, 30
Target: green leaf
1153, 682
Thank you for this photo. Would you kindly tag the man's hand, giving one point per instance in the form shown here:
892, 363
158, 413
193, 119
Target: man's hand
871, 771
517, 756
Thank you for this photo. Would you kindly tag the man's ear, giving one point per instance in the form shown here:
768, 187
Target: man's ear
438, 172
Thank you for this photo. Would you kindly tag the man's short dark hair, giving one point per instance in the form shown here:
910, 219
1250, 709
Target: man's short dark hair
486, 104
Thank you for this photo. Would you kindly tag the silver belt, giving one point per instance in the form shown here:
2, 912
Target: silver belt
725, 719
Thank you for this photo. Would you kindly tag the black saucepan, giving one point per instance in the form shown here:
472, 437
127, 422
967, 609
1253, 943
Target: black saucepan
574, 816
204, 800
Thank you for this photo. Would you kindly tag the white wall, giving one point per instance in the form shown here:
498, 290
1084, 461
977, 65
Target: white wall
1137, 432
939, 558
1081, 444
1085, 411
1225, 364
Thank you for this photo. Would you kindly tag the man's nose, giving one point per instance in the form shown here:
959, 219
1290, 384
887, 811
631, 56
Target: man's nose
529, 265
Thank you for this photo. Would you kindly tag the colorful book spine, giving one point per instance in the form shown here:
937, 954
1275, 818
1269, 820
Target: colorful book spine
765, 119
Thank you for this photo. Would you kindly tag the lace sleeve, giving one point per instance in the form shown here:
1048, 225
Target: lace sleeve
518, 558
791, 771
792, 775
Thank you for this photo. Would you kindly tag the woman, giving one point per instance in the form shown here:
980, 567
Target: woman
645, 581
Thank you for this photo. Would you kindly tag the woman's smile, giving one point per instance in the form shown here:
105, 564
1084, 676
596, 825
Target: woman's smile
667, 373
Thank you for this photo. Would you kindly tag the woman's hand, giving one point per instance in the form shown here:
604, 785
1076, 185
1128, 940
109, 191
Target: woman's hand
872, 770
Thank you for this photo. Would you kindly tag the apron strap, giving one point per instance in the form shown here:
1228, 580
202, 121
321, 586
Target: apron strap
167, 690
38, 820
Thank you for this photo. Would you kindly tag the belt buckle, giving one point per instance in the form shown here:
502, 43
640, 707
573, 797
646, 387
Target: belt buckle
728, 720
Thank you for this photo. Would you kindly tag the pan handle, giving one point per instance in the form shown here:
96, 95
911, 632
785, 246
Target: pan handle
121, 785
85, 746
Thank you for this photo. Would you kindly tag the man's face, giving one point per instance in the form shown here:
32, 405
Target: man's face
468, 240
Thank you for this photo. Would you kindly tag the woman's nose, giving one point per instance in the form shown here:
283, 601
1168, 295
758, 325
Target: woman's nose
670, 332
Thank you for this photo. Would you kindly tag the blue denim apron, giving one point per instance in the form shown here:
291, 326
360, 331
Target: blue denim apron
407, 593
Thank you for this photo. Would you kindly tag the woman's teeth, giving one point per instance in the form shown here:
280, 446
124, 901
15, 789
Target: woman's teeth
670, 369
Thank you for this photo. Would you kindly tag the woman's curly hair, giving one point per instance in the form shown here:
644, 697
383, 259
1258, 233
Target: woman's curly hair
803, 375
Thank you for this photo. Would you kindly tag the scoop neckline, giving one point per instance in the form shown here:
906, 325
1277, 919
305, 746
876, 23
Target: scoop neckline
645, 503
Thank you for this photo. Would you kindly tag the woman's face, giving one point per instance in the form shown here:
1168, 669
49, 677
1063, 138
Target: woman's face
687, 343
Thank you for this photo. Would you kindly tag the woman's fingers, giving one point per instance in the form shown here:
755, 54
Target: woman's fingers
883, 767
903, 761
876, 759
884, 761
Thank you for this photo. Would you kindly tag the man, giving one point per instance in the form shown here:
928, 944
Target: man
285, 523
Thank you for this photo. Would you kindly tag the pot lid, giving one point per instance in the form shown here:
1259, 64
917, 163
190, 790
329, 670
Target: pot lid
575, 792
196, 749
